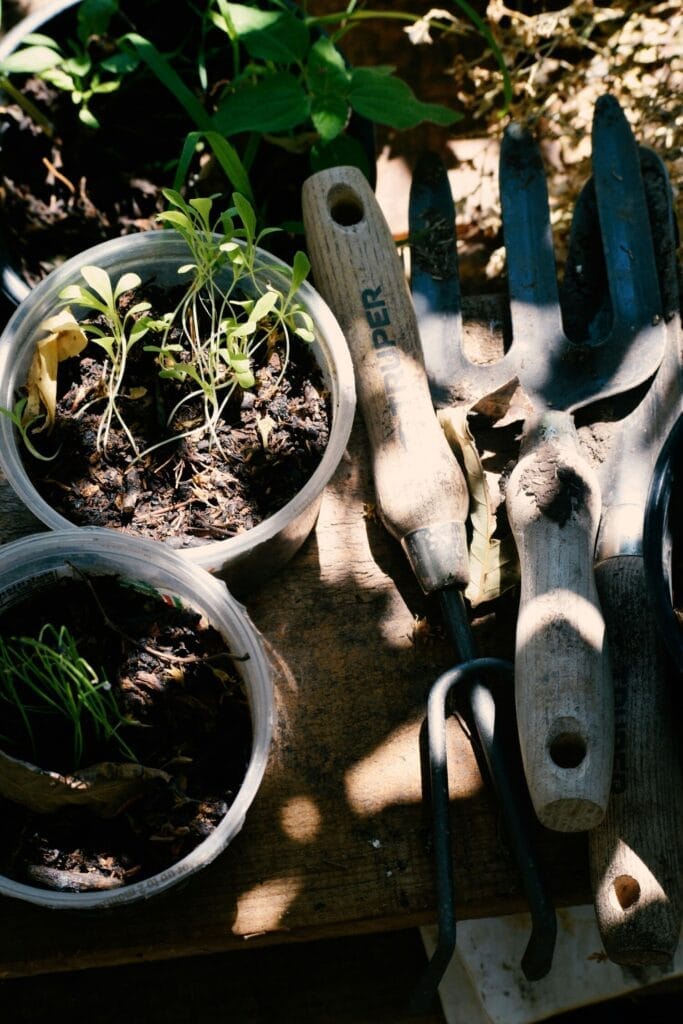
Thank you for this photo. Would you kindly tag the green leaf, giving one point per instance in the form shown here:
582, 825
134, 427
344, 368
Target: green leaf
59, 79
88, 118
126, 283
98, 279
176, 219
388, 100
268, 35
325, 69
329, 115
33, 60
300, 270
275, 103
264, 305
202, 205
120, 63
94, 17
246, 213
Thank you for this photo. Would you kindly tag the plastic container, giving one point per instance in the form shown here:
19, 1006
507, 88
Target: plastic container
36, 561
246, 559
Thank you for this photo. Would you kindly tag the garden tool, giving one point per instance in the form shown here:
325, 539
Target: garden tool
635, 855
562, 680
421, 493
435, 289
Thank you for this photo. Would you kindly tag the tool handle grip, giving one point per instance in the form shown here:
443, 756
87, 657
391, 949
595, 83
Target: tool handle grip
563, 689
635, 858
421, 492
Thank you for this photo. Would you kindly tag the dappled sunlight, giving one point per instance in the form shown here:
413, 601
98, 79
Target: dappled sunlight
585, 617
390, 774
263, 908
300, 819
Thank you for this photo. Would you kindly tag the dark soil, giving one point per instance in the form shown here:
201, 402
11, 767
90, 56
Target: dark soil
64, 193
189, 491
173, 675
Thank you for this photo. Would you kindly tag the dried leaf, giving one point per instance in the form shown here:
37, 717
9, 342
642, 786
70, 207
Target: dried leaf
105, 788
65, 339
493, 561
265, 425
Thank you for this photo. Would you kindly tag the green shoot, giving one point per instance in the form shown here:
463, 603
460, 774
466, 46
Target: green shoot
123, 332
47, 676
16, 416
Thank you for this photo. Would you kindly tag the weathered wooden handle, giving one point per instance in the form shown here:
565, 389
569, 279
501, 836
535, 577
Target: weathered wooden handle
563, 689
635, 856
421, 493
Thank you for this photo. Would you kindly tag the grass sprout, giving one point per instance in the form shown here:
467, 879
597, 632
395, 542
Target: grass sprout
46, 676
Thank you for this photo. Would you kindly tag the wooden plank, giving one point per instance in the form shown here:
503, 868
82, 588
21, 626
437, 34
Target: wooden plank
337, 841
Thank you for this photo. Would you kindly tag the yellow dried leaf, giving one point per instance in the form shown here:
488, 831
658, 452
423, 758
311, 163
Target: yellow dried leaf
64, 339
494, 566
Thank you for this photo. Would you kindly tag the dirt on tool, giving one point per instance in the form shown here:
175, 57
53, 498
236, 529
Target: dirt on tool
184, 714
193, 489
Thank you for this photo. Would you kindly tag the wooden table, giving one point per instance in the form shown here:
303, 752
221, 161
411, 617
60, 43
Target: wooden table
337, 841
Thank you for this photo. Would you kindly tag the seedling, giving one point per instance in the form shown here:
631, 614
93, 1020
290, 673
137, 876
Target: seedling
230, 308
46, 676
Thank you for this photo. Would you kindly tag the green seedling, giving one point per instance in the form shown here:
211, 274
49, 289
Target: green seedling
46, 676
16, 415
76, 72
227, 312
117, 339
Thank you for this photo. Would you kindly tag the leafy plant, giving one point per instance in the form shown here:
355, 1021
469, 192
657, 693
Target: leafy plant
288, 81
77, 71
46, 676
230, 308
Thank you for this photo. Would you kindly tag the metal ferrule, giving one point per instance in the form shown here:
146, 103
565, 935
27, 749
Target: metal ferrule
438, 555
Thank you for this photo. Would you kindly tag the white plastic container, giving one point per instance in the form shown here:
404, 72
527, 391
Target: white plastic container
36, 561
246, 559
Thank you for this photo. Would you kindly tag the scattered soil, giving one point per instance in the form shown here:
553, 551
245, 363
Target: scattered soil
190, 491
170, 672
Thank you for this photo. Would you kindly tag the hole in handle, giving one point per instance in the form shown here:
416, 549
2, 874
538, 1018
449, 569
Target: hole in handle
567, 747
626, 890
345, 205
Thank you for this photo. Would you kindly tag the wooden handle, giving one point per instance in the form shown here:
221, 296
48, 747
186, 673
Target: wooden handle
635, 855
563, 689
421, 493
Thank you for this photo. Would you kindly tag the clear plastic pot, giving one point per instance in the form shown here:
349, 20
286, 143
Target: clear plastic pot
35, 562
246, 559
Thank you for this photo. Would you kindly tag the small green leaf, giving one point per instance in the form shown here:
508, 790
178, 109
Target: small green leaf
120, 63
388, 100
126, 283
265, 305
329, 114
202, 204
301, 268
246, 213
176, 219
33, 60
98, 279
60, 80
88, 118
